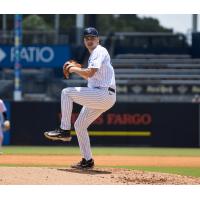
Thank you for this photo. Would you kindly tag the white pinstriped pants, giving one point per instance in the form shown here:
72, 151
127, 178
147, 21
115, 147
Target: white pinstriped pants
95, 101
1, 131
1, 136
1, 125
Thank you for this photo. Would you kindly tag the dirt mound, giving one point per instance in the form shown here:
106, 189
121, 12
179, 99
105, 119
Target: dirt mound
97, 176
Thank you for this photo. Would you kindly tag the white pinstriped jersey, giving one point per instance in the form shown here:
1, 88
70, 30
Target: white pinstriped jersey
104, 77
2, 109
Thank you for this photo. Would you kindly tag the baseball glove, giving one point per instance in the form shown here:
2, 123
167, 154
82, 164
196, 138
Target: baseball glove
68, 65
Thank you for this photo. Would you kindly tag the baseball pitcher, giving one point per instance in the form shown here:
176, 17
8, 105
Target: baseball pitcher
96, 98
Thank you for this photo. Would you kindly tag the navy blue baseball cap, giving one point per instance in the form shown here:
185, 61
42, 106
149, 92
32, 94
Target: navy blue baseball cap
91, 31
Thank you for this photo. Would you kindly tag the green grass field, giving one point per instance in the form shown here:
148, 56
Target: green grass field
130, 151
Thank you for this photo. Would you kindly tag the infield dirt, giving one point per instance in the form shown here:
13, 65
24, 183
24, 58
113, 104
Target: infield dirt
57, 174
58, 160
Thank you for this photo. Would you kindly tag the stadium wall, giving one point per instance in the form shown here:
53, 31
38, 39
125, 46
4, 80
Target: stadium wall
126, 124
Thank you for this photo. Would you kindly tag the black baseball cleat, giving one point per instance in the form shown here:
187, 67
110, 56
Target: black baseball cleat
58, 134
84, 164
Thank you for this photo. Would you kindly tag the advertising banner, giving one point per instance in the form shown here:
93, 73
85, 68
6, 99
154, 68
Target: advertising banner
126, 124
36, 56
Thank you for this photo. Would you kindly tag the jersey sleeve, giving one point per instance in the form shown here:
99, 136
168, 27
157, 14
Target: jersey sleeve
2, 106
96, 59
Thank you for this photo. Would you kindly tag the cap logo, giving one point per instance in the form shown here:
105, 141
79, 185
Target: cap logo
91, 31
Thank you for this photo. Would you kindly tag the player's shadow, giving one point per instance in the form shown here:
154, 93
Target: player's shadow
86, 171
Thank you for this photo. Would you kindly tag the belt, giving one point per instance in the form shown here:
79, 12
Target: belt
109, 89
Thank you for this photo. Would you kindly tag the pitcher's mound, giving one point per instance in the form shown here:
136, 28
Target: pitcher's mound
111, 176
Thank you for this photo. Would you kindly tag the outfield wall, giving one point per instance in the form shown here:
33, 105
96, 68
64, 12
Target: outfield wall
126, 124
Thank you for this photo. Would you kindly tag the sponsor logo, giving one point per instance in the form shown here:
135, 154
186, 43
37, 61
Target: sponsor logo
182, 89
129, 119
